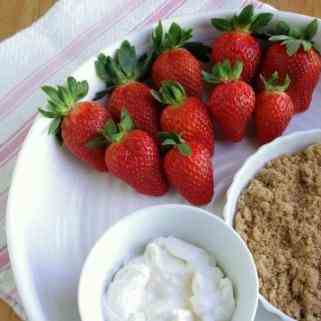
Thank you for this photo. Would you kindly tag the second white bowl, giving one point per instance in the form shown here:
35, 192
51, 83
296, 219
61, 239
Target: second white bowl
284, 145
192, 224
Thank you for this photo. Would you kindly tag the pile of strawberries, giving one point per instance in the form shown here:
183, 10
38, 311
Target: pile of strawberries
153, 138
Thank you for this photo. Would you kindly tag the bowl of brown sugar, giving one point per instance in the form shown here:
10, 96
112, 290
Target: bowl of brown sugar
274, 203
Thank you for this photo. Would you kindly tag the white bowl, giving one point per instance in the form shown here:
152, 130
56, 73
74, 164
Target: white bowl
283, 145
194, 225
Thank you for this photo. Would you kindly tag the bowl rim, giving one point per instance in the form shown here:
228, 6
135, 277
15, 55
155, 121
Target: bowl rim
94, 252
228, 216
22, 274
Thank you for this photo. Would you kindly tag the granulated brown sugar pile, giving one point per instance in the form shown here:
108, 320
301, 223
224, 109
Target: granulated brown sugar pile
279, 217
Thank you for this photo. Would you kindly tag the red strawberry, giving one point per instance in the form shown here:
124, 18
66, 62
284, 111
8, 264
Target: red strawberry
133, 157
232, 101
187, 116
293, 54
174, 62
76, 122
123, 72
273, 109
188, 168
237, 42
139, 103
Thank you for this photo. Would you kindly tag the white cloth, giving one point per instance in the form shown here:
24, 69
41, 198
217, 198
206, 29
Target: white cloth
47, 52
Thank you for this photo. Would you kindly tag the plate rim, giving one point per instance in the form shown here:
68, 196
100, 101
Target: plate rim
25, 286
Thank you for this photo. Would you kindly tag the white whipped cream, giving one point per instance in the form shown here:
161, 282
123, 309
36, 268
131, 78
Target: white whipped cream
172, 281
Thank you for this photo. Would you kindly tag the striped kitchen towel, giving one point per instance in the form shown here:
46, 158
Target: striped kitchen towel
50, 50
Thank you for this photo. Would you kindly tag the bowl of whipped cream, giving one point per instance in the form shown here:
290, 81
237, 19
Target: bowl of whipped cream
169, 263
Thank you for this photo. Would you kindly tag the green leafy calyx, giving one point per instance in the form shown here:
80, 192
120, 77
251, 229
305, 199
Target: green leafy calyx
123, 68
61, 100
175, 140
112, 132
175, 37
246, 21
295, 38
224, 72
170, 93
115, 132
274, 84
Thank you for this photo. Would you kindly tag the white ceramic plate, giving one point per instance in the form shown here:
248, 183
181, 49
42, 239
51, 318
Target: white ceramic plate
58, 207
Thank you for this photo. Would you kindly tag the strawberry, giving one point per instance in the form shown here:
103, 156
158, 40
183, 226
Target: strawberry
187, 116
121, 73
273, 109
237, 41
188, 167
232, 100
293, 54
74, 122
174, 62
133, 157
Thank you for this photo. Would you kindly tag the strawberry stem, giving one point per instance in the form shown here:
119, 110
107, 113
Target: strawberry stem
295, 38
273, 84
124, 67
61, 100
112, 132
175, 140
170, 93
223, 72
115, 132
175, 37
246, 21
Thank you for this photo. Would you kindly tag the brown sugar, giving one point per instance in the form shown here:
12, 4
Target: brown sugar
279, 217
